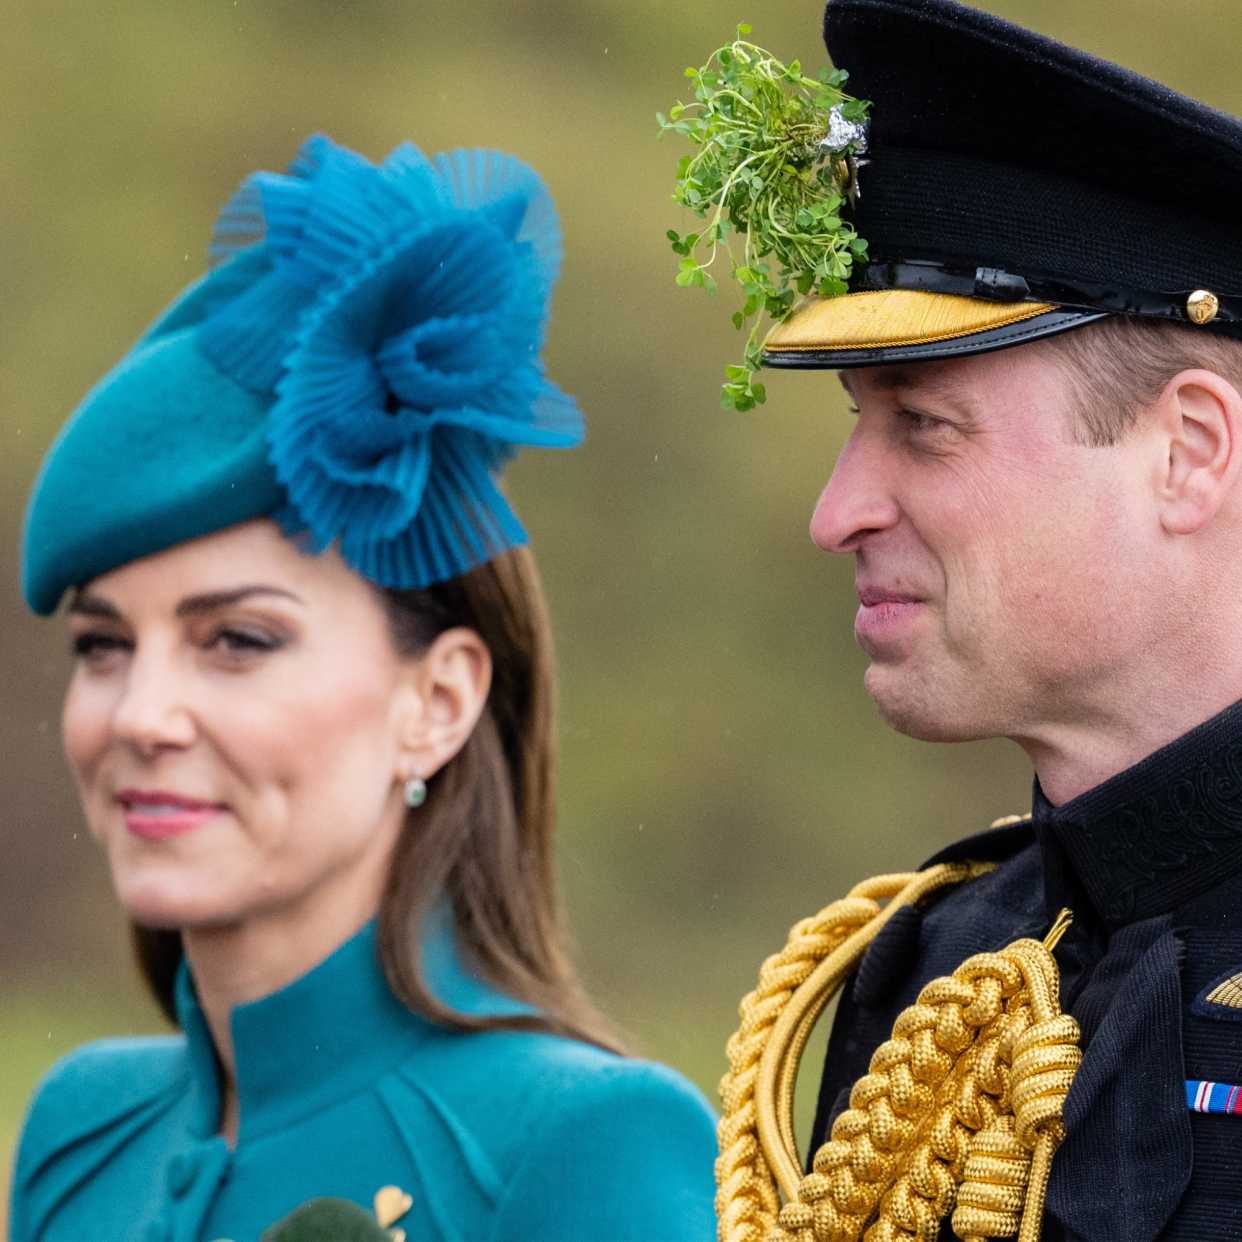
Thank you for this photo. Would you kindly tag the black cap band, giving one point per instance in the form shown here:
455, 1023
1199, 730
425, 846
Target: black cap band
997, 285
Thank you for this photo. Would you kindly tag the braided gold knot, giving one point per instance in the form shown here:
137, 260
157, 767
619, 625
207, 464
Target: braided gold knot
960, 1108
1006, 1173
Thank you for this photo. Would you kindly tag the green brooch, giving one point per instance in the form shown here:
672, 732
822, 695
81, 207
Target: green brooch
341, 1220
778, 159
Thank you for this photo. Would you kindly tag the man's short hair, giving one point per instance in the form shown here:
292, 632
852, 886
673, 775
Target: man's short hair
1119, 366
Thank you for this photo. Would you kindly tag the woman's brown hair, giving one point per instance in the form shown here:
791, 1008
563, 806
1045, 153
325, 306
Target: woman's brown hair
484, 835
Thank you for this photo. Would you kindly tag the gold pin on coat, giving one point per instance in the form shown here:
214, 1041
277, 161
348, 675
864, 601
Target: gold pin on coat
1202, 306
391, 1204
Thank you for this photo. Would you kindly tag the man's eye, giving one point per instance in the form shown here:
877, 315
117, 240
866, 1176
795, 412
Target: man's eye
92, 646
922, 423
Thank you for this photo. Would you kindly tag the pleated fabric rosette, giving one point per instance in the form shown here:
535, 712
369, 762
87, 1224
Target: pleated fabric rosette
385, 322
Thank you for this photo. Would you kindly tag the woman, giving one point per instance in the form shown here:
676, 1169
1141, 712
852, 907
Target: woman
311, 726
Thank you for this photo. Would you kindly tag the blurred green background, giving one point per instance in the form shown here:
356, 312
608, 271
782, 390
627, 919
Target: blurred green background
723, 771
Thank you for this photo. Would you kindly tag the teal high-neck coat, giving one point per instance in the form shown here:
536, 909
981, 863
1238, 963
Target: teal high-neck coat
502, 1135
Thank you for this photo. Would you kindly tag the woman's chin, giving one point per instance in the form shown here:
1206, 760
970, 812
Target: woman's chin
172, 907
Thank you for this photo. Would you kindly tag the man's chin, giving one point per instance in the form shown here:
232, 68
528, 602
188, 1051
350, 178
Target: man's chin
911, 705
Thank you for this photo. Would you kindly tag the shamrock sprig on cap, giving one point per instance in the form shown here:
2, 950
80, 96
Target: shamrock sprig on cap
777, 163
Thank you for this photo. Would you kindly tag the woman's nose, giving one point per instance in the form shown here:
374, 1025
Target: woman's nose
858, 500
152, 714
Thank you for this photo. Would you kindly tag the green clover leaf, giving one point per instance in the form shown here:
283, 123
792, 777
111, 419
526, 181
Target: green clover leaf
760, 174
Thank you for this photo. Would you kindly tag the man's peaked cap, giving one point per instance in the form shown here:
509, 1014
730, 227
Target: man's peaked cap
1044, 185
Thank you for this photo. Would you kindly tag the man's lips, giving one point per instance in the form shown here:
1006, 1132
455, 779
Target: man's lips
156, 813
882, 613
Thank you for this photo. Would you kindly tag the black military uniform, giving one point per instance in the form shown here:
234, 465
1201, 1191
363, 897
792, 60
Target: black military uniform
1041, 189
1151, 864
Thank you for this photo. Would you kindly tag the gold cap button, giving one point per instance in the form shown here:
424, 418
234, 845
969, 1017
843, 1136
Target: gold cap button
1202, 306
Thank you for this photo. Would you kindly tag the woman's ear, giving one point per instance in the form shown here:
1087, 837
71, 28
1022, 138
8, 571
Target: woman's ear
1199, 417
446, 690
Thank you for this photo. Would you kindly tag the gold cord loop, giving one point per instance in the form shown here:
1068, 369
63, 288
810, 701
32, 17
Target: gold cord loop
959, 1113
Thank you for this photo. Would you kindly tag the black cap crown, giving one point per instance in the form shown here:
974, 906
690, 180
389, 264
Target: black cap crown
1009, 169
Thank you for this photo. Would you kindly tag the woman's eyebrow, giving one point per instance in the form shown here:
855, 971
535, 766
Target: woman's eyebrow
93, 606
194, 605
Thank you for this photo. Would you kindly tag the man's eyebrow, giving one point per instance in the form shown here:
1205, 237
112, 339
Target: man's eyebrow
907, 383
898, 378
195, 605
890, 378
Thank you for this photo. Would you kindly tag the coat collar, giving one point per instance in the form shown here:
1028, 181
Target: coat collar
1159, 833
329, 1034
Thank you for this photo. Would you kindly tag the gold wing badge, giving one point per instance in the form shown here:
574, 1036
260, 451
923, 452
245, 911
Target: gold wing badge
960, 1112
1228, 993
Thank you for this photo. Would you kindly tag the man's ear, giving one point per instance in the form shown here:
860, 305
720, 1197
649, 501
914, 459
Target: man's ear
446, 691
1199, 419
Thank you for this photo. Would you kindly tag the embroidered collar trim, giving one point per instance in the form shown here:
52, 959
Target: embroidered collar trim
1162, 832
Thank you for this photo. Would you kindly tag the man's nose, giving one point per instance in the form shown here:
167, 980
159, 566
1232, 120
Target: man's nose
858, 499
153, 714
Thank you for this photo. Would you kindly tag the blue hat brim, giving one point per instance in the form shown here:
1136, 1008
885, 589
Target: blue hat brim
164, 449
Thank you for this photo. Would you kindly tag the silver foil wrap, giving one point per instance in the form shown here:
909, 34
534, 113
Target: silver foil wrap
842, 134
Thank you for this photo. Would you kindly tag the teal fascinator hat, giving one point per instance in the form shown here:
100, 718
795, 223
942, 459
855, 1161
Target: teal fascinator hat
360, 363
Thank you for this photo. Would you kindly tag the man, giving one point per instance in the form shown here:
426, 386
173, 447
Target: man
1042, 498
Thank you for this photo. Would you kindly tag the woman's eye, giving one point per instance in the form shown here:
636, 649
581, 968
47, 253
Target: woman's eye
238, 641
90, 646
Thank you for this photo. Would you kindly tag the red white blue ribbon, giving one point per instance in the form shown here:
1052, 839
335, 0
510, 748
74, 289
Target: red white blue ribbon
1213, 1097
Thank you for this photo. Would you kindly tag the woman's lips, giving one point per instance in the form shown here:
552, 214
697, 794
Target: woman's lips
154, 814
